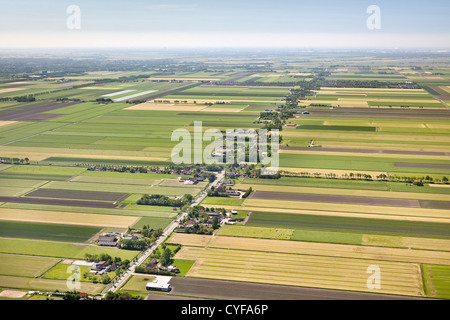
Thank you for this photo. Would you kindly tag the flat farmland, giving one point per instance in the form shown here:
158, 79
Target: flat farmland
347, 192
122, 188
25, 266
77, 195
246, 259
137, 283
238, 290
45, 284
360, 97
128, 210
46, 231
350, 210
437, 281
68, 218
310, 197
59, 249
312, 248
359, 163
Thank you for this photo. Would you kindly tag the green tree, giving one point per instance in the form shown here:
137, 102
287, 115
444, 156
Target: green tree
215, 223
165, 257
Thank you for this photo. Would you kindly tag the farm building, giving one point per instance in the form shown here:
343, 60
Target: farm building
158, 286
110, 241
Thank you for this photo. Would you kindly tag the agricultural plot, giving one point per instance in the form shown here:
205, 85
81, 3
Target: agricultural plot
62, 216
137, 283
437, 281
374, 98
46, 231
307, 232
25, 266
59, 249
348, 223
292, 264
77, 195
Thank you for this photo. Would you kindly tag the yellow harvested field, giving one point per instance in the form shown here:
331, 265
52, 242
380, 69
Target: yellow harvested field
383, 90
382, 146
406, 242
446, 88
5, 123
365, 136
302, 270
15, 294
199, 102
45, 284
313, 248
344, 103
324, 171
165, 107
10, 90
347, 192
430, 100
352, 210
439, 185
186, 79
224, 110
101, 87
365, 154
341, 93
39, 154
74, 218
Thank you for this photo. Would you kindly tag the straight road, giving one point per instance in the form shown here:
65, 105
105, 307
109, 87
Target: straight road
167, 232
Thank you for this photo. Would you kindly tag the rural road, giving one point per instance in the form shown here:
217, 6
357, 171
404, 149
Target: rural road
166, 233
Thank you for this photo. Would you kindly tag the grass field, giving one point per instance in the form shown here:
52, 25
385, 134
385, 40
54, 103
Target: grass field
437, 281
137, 283
59, 249
46, 231
25, 266
45, 284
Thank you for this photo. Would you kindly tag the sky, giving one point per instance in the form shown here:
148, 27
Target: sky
219, 23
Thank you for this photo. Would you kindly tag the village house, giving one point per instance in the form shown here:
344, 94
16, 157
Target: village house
227, 183
152, 264
99, 266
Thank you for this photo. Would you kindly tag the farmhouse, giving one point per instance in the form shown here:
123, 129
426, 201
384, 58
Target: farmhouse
110, 241
131, 237
152, 264
233, 193
99, 266
228, 183
189, 180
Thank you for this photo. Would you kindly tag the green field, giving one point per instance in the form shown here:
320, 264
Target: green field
25, 266
59, 249
437, 281
45, 231
348, 225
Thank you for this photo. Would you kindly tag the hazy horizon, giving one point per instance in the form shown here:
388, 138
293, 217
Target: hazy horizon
203, 24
